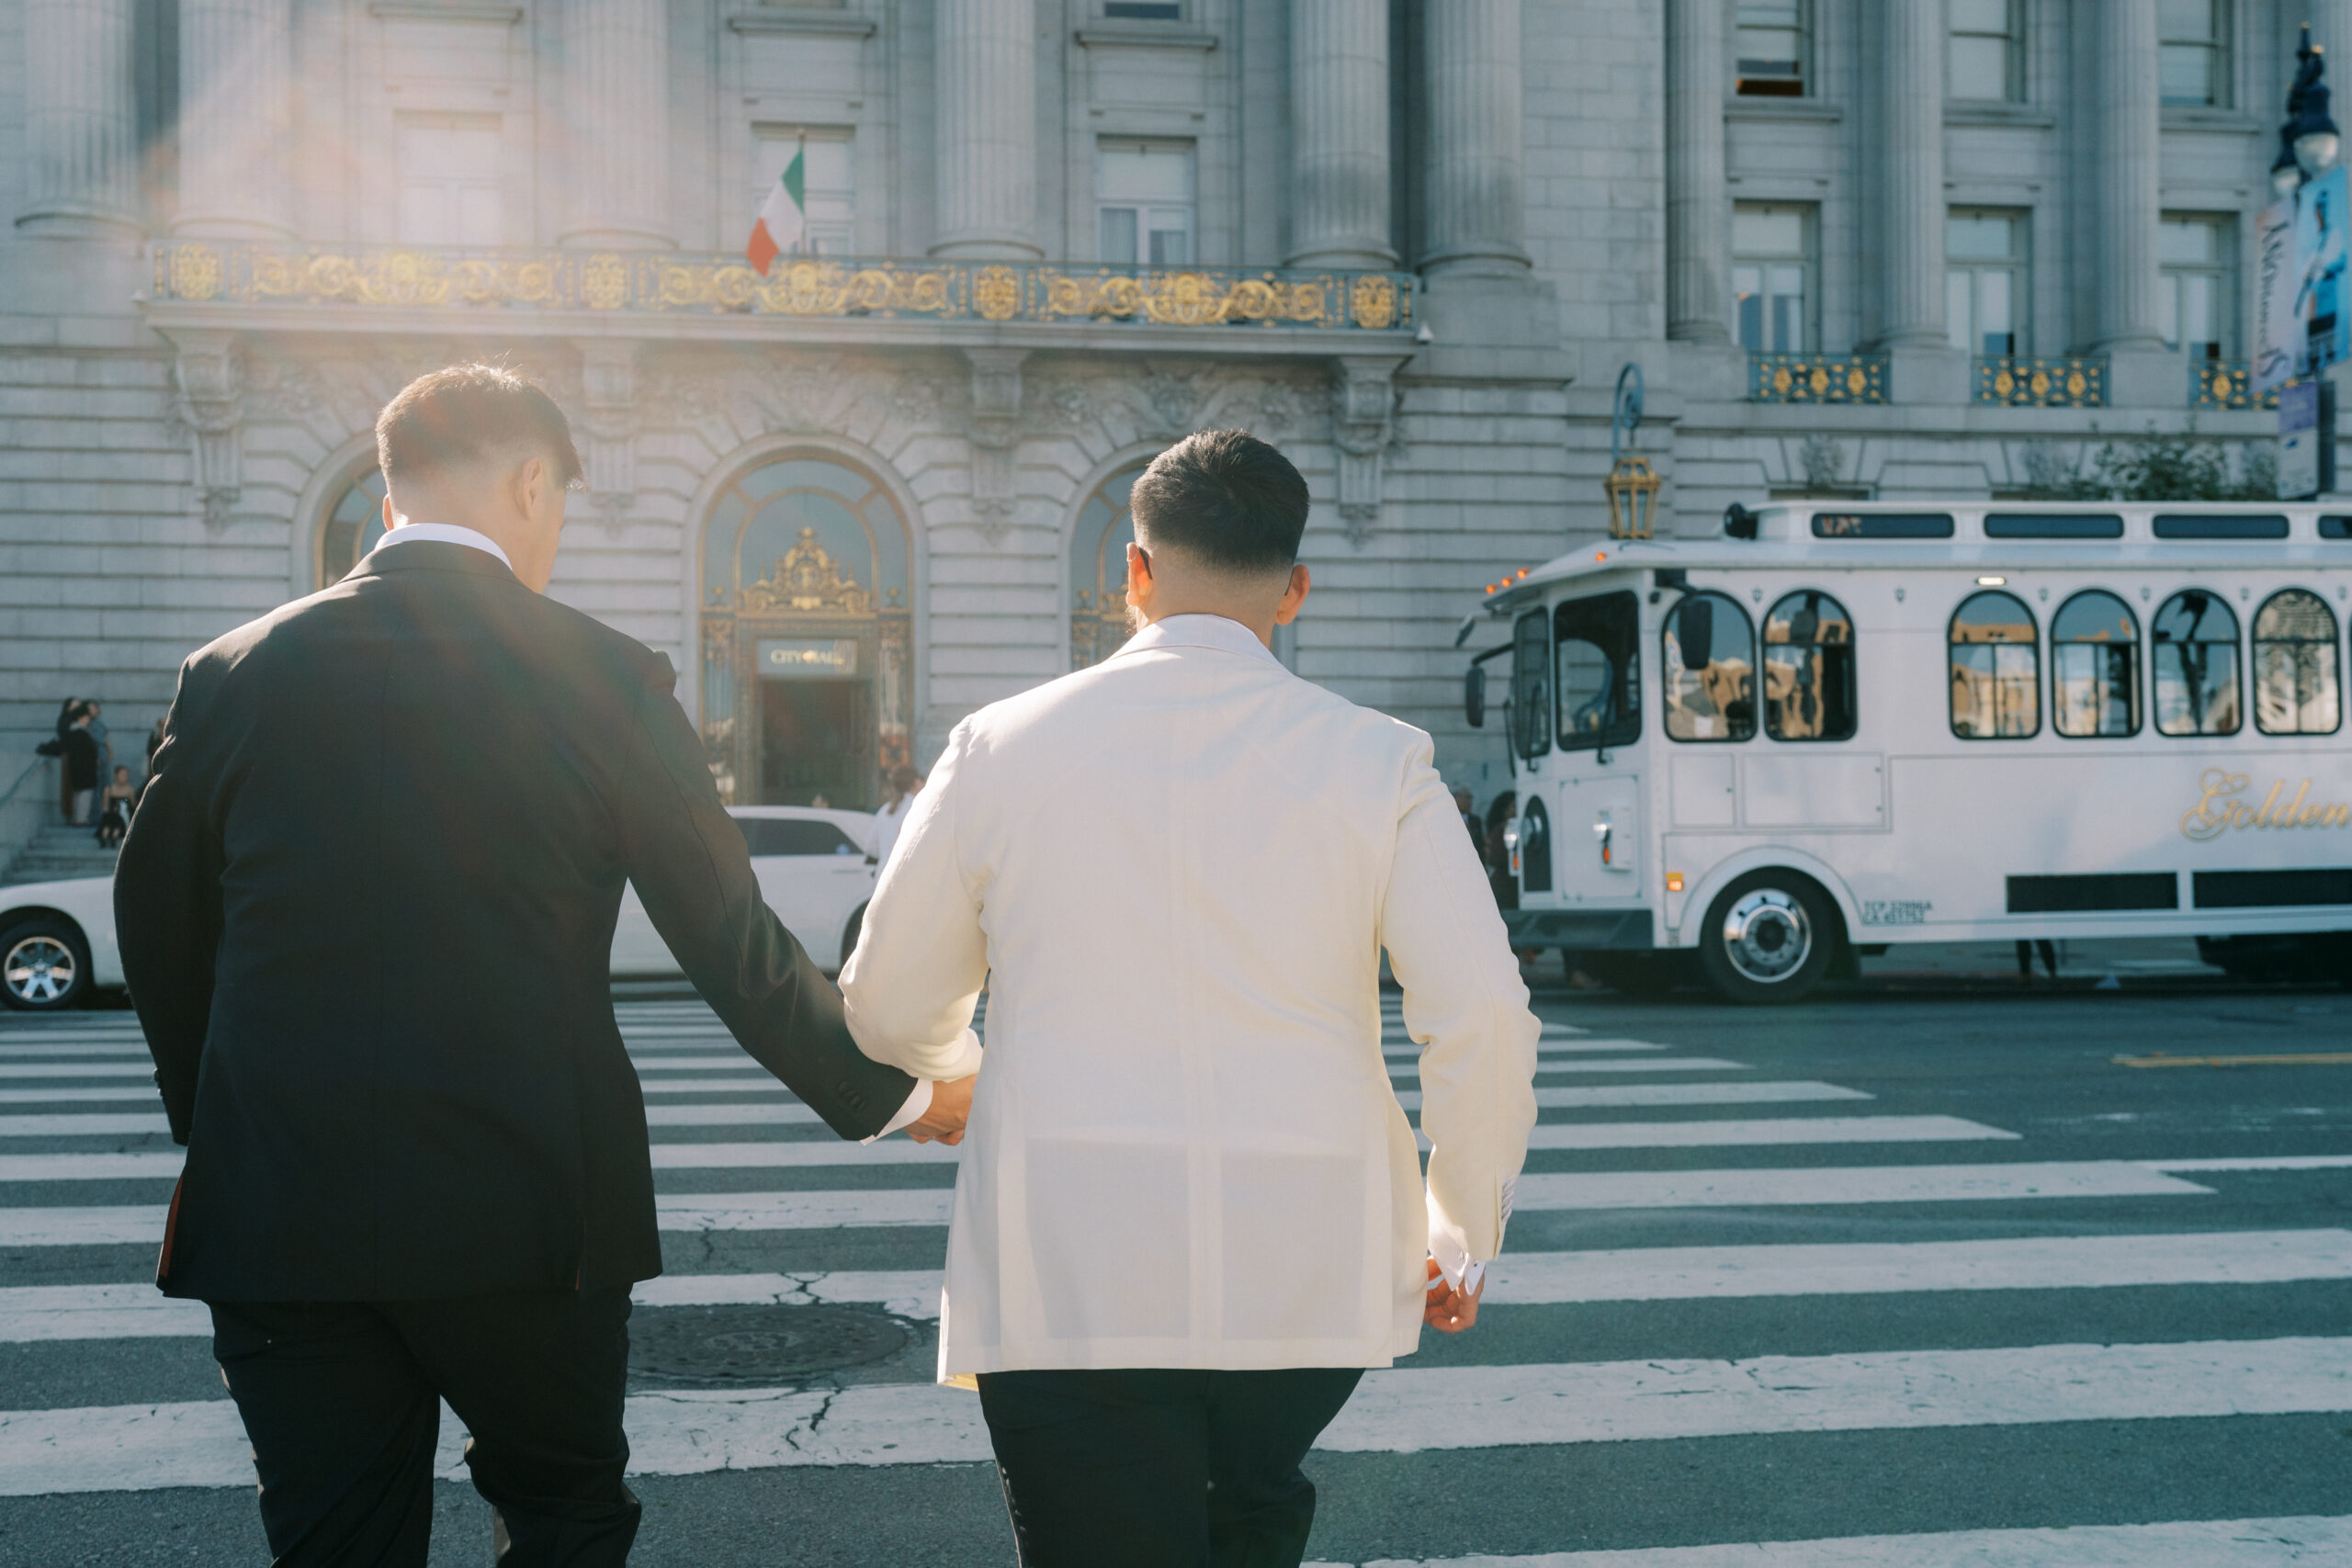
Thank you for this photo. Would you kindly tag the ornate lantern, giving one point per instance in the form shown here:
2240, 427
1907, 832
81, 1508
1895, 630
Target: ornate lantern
1633, 485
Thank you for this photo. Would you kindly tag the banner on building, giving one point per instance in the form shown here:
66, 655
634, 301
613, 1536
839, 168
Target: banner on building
2320, 255
2299, 465
2277, 327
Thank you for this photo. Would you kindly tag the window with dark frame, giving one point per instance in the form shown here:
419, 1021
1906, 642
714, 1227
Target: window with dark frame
2193, 52
2197, 284
1995, 661
1596, 651
2193, 661
2298, 677
1771, 42
1772, 266
1707, 669
1142, 11
2095, 668
1809, 675
1530, 680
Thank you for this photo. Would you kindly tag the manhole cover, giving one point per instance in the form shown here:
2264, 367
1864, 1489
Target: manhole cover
732, 1346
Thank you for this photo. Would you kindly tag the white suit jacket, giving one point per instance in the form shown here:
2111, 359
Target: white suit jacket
1176, 871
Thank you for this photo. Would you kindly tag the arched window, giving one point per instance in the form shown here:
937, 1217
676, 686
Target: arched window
1996, 668
1709, 669
2093, 667
1809, 668
1098, 570
2296, 681
352, 528
2195, 658
808, 685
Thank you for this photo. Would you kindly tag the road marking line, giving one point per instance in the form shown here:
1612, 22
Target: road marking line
65, 1094
1620, 1095
2255, 1162
790, 1114
83, 1124
2220, 1543
1783, 1130
147, 1446
796, 1210
2307, 1059
2024, 1263
41, 1313
761, 1085
91, 1225
1807, 1186
77, 1070
135, 1048
160, 1165
800, 1152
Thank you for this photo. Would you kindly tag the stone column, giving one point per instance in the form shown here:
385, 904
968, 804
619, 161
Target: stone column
81, 122
1911, 178
236, 76
1338, 95
2127, 203
987, 167
616, 90
1698, 221
1476, 188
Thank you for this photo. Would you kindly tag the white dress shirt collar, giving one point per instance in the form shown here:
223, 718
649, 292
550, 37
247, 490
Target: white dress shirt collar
1200, 629
444, 534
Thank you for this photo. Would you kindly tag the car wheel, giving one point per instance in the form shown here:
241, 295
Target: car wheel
849, 937
44, 966
1770, 937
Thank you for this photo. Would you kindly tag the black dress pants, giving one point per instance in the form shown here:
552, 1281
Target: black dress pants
1161, 1469
342, 1403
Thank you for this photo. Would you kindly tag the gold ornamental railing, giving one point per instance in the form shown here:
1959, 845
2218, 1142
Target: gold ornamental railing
2226, 384
1817, 377
201, 272
2067, 382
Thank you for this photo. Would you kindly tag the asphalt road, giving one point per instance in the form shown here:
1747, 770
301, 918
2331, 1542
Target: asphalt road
1921, 1261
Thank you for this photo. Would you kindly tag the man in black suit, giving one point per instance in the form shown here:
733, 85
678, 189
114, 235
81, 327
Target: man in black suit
366, 912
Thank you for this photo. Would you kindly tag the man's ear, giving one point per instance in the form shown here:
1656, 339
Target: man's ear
1293, 596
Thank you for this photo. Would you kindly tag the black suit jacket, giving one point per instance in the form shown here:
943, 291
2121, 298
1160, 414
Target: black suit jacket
366, 915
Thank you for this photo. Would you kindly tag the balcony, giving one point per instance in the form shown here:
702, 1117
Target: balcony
365, 286
1817, 377
2226, 384
2016, 381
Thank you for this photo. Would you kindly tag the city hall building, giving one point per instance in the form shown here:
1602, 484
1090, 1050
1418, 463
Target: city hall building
1875, 248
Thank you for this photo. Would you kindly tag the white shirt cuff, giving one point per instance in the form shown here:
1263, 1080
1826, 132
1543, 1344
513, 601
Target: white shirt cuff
917, 1103
1454, 1264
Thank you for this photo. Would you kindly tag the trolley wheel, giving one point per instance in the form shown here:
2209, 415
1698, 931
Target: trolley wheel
44, 965
1639, 974
1770, 937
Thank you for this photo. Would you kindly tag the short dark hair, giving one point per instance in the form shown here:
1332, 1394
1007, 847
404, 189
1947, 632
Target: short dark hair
1225, 499
450, 417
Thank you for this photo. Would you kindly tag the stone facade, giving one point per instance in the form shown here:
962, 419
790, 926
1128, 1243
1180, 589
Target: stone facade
1412, 241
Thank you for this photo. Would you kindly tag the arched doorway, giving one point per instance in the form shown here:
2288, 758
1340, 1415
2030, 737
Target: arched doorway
352, 528
1098, 570
808, 682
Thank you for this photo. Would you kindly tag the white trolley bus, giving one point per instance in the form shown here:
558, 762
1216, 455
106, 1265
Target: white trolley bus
1845, 725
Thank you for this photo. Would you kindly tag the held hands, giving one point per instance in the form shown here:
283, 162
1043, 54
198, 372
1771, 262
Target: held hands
951, 1106
1446, 1309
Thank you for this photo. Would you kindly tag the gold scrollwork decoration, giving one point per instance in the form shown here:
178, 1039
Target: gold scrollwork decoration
194, 272
806, 577
2041, 383
1817, 377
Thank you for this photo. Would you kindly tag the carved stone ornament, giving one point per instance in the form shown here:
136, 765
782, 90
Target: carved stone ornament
807, 578
1364, 422
995, 432
608, 400
207, 380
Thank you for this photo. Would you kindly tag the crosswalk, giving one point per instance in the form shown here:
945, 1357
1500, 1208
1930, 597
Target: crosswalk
1631, 1129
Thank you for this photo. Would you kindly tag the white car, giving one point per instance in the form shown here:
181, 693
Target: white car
816, 870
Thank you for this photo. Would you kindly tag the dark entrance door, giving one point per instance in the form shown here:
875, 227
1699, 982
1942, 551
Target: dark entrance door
816, 739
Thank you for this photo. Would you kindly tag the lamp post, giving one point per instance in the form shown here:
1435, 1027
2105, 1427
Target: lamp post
2309, 145
1632, 485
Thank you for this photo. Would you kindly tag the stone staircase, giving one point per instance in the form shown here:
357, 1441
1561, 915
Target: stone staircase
57, 852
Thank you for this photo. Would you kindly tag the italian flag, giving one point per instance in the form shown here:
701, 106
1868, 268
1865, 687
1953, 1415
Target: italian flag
782, 221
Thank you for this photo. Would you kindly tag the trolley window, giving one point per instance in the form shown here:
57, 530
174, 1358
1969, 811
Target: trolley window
1996, 668
1530, 686
2195, 656
2336, 527
1709, 671
2296, 677
1882, 525
2053, 525
1809, 668
2094, 666
1597, 642
2205, 526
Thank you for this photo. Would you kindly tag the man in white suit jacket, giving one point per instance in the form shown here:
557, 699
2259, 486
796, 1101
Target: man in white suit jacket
1191, 1210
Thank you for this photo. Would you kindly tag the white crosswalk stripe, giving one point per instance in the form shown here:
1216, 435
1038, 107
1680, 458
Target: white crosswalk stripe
74, 1118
